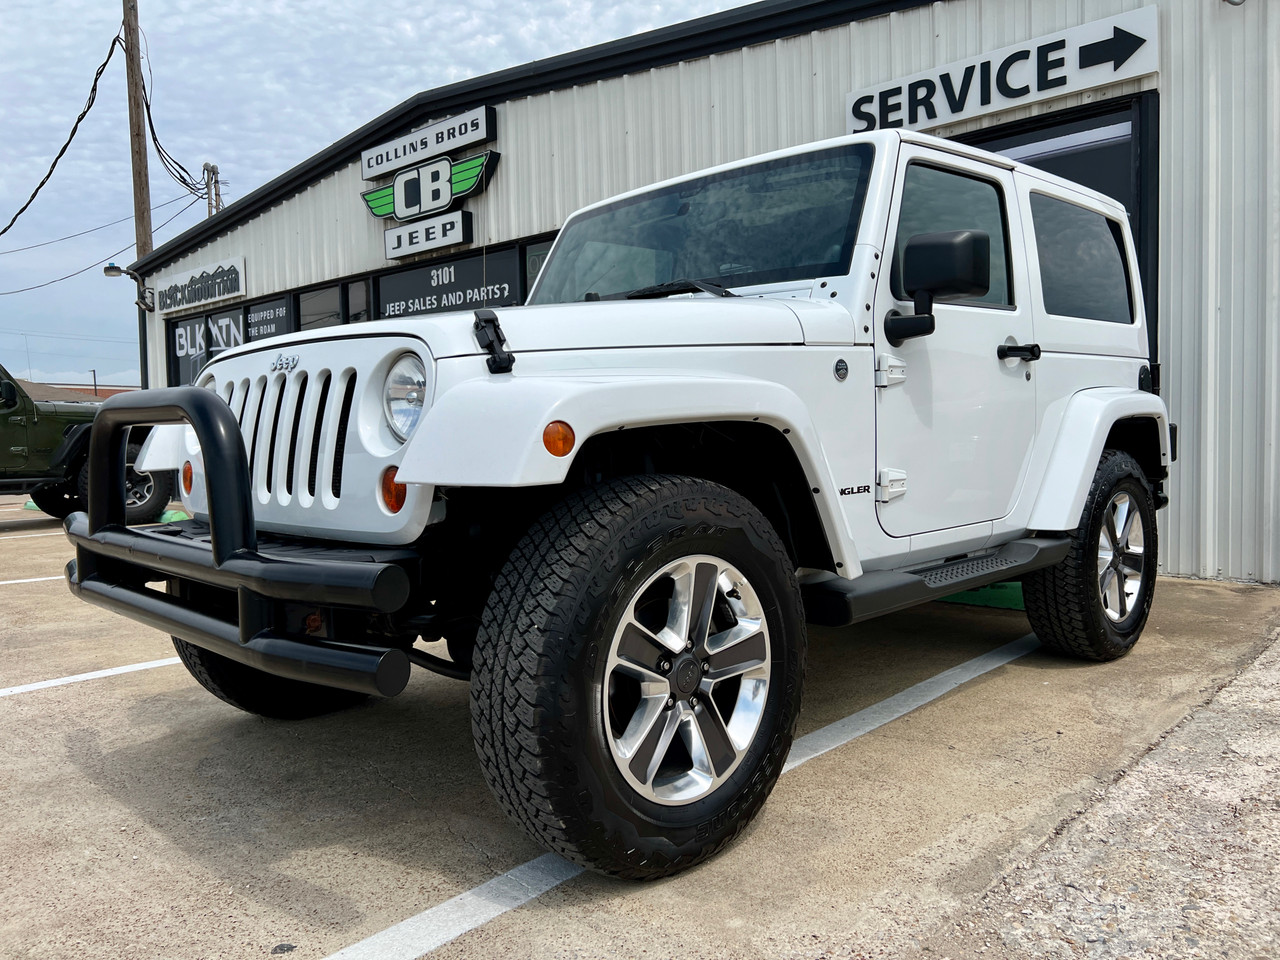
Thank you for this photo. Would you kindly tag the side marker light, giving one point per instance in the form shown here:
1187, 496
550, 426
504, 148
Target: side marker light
393, 494
558, 438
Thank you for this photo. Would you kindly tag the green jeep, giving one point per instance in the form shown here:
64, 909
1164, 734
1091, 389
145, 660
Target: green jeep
44, 452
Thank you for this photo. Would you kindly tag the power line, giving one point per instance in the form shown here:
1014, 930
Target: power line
176, 170
97, 263
65, 336
100, 356
93, 95
90, 230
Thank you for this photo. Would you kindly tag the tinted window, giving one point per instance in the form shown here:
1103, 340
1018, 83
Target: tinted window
938, 201
319, 308
357, 301
1082, 268
789, 219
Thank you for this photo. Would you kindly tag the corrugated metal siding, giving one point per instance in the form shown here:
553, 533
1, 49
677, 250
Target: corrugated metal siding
1219, 279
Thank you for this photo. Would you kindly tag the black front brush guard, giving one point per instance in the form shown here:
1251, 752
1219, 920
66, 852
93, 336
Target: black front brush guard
114, 562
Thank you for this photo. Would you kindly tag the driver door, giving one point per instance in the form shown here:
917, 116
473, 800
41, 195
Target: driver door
13, 434
954, 423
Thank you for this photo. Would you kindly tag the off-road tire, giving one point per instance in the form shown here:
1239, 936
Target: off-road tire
262, 693
148, 494
539, 671
1064, 602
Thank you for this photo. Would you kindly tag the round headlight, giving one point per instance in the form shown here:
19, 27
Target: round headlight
404, 394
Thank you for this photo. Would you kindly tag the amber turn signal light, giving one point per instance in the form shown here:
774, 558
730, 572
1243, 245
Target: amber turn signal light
393, 494
558, 438
188, 477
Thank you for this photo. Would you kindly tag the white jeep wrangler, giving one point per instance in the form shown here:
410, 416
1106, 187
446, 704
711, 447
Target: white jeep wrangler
818, 385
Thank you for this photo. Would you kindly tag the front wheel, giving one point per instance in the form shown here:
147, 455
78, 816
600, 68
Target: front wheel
638, 673
1094, 603
255, 691
146, 495
56, 499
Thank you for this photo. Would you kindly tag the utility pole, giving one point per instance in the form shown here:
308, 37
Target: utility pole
212, 188
137, 130
138, 151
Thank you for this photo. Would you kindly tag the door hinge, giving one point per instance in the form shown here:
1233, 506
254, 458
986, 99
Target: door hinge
890, 484
889, 370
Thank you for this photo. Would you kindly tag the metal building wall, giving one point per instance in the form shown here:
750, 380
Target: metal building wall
1219, 284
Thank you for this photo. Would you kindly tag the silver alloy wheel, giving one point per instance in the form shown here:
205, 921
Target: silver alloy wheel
138, 486
1121, 558
686, 680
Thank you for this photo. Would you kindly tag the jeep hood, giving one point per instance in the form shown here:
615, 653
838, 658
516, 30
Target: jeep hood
674, 322
682, 322
71, 411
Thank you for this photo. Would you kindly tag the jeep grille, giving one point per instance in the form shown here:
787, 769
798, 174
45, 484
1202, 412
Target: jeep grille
294, 427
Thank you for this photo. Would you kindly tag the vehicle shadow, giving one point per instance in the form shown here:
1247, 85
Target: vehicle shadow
317, 817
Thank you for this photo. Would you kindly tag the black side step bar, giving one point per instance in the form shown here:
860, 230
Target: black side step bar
835, 602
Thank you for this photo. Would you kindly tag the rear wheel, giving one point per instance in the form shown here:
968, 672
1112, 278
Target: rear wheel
262, 693
1094, 603
637, 674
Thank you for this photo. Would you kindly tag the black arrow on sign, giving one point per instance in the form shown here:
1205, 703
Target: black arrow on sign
1116, 50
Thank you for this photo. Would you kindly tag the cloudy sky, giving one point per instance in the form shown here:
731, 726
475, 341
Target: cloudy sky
254, 86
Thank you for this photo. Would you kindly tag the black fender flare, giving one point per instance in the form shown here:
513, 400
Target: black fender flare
73, 451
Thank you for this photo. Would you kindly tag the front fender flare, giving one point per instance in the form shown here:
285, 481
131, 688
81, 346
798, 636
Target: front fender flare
1087, 421
488, 432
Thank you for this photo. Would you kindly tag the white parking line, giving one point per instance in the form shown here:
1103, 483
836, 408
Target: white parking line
5, 583
28, 536
900, 704
435, 927
451, 919
113, 671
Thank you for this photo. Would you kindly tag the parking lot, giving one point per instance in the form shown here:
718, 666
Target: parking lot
144, 818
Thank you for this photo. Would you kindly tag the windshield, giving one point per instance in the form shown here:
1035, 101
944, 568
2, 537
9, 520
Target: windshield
789, 219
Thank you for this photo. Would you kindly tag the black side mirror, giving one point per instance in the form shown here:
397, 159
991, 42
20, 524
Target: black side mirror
939, 266
8, 393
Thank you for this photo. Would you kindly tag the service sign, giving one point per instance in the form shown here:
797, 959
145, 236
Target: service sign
464, 130
1069, 61
198, 285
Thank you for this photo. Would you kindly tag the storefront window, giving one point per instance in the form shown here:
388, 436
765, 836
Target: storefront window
357, 301
477, 281
195, 341
270, 319
320, 308
535, 254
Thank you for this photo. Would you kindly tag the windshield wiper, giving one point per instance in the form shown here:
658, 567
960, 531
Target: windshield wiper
683, 285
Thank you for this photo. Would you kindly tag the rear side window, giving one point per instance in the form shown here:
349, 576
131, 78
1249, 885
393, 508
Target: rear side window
1083, 270
938, 201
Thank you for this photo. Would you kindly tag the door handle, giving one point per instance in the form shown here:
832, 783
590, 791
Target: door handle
1027, 352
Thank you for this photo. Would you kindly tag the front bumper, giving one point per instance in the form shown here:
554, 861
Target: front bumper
222, 592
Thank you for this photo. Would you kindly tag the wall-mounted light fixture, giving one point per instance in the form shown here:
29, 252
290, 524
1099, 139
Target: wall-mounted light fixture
146, 296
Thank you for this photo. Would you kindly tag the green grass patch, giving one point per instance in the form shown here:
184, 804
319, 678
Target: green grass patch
1003, 596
